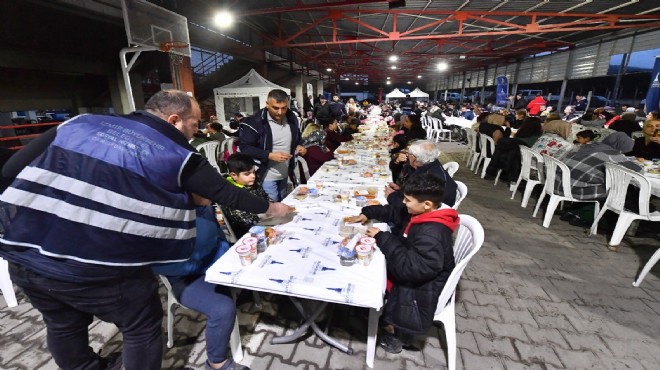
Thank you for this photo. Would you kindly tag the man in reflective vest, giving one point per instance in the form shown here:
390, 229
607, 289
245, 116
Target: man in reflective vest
94, 203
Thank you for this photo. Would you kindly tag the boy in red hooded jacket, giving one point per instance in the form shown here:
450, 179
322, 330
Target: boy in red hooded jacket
418, 262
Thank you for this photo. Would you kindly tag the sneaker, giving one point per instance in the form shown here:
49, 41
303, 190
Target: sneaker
390, 343
229, 365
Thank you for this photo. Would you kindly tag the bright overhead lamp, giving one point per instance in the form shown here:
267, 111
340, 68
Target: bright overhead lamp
388, 78
419, 76
394, 58
388, 82
347, 79
223, 19
329, 69
442, 66
393, 67
357, 83
461, 57
409, 82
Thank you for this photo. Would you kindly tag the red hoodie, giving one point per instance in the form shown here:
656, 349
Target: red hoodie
446, 216
535, 105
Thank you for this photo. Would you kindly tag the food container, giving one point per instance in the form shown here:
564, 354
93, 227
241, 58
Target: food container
366, 240
360, 201
253, 243
244, 254
363, 253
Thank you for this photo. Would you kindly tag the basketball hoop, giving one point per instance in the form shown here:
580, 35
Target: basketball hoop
171, 47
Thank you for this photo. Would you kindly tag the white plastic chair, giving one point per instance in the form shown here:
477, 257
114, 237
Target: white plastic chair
438, 131
6, 285
471, 145
301, 162
234, 340
476, 150
211, 152
618, 178
461, 193
527, 157
486, 153
451, 168
551, 167
469, 238
228, 145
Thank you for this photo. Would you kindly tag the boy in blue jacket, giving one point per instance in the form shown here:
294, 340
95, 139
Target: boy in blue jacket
418, 262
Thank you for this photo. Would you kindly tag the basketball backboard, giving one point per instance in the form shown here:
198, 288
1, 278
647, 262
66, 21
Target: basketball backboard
151, 25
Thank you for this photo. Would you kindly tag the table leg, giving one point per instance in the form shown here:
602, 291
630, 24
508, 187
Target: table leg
374, 315
310, 321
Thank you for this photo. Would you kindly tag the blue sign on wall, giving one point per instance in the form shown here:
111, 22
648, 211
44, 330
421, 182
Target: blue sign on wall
502, 91
653, 96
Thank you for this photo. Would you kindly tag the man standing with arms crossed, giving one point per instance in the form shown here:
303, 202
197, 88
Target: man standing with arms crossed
272, 137
94, 204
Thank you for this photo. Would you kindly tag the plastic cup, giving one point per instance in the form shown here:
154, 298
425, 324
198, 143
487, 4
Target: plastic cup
363, 253
345, 195
253, 243
244, 254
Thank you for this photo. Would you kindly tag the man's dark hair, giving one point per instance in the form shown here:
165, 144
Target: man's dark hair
325, 120
400, 139
168, 102
239, 162
278, 95
531, 126
425, 186
216, 126
587, 134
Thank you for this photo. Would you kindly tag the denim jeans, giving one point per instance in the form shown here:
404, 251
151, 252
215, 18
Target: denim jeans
216, 303
276, 190
131, 302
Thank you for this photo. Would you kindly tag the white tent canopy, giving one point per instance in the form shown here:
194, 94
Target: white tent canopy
395, 94
417, 93
247, 94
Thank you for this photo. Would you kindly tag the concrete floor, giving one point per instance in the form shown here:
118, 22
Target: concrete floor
532, 298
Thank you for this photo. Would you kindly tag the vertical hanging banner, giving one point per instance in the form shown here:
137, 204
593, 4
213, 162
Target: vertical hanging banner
502, 91
653, 95
310, 90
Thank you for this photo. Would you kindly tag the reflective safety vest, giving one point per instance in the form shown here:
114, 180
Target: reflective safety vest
106, 191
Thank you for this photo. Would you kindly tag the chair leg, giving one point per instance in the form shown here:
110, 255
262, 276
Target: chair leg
513, 193
497, 178
257, 300
538, 202
6, 286
529, 187
475, 159
594, 226
483, 169
170, 320
649, 265
450, 333
622, 224
550, 210
235, 343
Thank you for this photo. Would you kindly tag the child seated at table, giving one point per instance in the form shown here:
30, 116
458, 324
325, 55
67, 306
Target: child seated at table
192, 291
242, 174
418, 262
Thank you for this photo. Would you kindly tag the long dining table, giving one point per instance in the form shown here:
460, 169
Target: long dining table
303, 261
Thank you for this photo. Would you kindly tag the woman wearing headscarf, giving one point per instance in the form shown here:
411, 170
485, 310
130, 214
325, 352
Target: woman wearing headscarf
587, 165
554, 141
647, 147
317, 153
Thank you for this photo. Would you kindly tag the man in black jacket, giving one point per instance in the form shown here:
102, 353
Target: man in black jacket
272, 137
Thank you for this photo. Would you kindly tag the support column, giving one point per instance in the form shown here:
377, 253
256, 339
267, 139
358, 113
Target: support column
319, 87
564, 83
118, 94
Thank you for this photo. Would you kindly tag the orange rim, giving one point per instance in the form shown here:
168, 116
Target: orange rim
169, 45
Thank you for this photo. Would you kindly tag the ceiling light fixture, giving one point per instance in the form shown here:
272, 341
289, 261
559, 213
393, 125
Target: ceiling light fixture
409, 82
223, 19
329, 69
357, 83
393, 67
419, 76
388, 78
442, 66
394, 58
388, 82
461, 57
